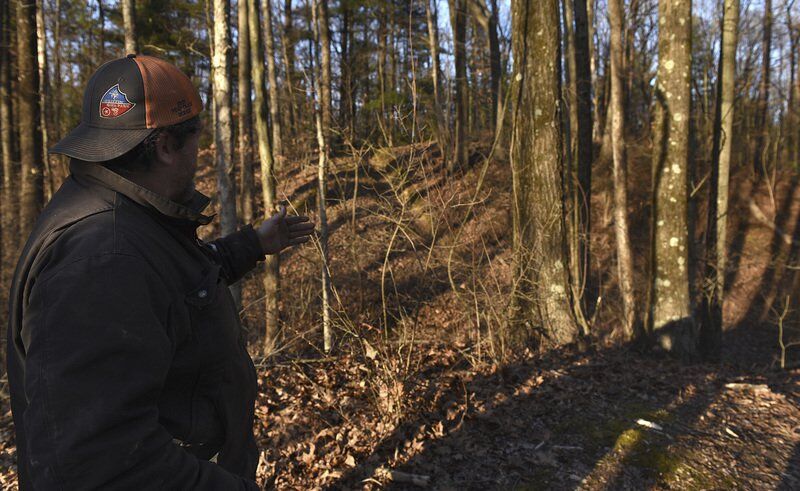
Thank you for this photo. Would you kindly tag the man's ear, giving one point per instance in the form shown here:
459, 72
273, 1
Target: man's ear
165, 148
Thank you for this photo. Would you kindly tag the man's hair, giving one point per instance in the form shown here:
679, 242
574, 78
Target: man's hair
141, 156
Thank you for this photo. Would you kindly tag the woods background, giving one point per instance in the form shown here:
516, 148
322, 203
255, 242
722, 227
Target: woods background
490, 179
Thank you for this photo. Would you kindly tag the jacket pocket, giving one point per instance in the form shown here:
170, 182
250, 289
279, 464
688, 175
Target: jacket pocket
213, 321
207, 433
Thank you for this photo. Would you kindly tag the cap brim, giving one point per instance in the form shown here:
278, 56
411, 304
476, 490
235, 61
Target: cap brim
94, 144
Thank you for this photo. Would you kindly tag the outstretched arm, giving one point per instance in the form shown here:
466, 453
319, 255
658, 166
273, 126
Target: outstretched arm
239, 252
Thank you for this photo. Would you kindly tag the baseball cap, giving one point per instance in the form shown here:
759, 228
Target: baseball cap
124, 101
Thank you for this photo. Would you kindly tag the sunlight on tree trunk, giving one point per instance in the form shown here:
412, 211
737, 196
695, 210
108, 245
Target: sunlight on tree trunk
671, 315
542, 294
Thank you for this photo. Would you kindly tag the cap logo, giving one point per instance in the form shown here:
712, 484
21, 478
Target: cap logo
114, 103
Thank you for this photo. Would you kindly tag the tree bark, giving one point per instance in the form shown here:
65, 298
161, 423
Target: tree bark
44, 96
322, 165
245, 116
9, 214
671, 314
442, 132
459, 26
271, 276
30, 130
539, 236
583, 151
488, 21
762, 125
287, 45
223, 122
129, 20
325, 69
272, 73
716, 232
620, 172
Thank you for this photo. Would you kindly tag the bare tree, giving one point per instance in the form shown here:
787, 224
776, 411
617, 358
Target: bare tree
287, 46
323, 143
129, 20
671, 315
617, 115
442, 132
324, 33
716, 235
8, 215
488, 21
459, 25
265, 155
539, 236
245, 116
762, 126
30, 134
272, 74
223, 124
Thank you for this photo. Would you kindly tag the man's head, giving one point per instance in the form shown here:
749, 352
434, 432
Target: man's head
140, 118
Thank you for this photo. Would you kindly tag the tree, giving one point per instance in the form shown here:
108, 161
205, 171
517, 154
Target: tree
620, 171
44, 97
442, 132
30, 131
459, 25
223, 124
265, 155
762, 126
716, 232
8, 215
488, 21
129, 19
323, 147
539, 235
287, 45
671, 310
272, 73
245, 116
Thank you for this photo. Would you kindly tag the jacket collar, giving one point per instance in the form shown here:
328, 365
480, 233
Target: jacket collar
192, 210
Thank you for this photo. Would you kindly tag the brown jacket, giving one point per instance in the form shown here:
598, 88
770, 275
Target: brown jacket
126, 359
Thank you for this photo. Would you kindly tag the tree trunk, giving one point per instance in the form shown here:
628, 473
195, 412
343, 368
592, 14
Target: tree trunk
620, 171
287, 45
539, 235
325, 69
442, 132
671, 315
347, 103
322, 166
223, 122
129, 20
223, 125
30, 134
716, 232
44, 96
265, 155
8, 215
590, 14
583, 152
101, 41
272, 73
762, 124
245, 116
488, 21
459, 26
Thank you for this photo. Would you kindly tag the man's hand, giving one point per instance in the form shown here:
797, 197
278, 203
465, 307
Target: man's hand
280, 231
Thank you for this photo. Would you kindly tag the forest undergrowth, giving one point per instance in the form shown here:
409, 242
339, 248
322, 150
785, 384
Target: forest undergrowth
421, 388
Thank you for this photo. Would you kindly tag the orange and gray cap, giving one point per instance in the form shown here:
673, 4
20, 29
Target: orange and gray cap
125, 100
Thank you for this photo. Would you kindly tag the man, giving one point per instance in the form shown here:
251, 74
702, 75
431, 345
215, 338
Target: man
127, 364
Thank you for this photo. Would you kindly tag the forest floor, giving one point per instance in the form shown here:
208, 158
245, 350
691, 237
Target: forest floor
416, 393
